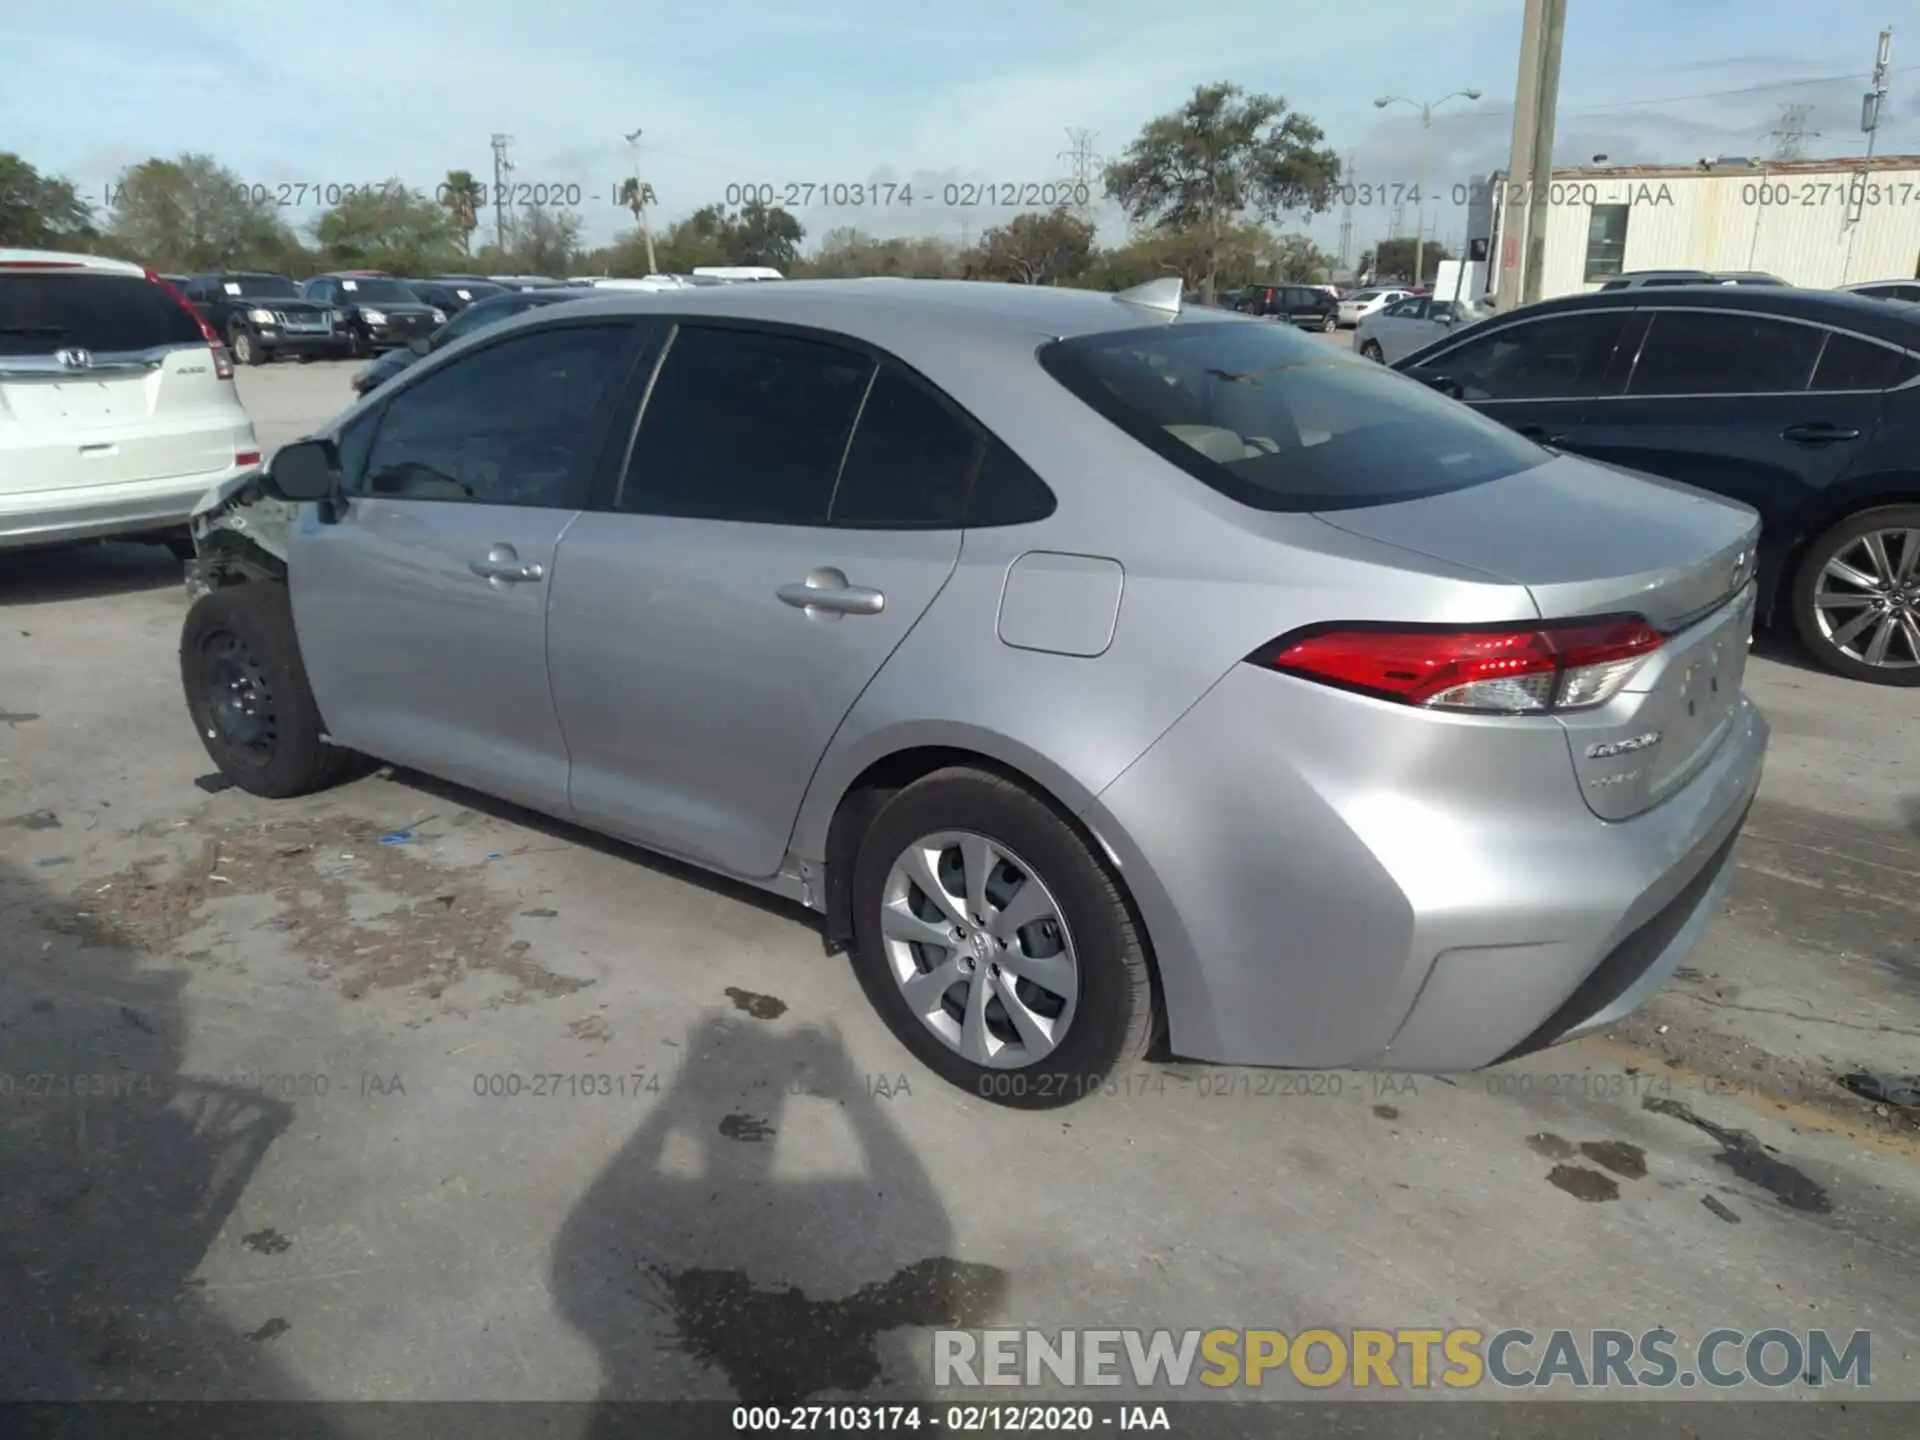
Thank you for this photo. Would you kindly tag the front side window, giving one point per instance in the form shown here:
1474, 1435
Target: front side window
1559, 357
515, 423
1724, 352
1279, 422
1606, 241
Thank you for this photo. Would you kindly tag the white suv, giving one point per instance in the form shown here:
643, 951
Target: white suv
117, 405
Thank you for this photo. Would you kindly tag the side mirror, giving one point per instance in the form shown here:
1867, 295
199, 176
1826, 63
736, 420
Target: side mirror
420, 345
1445, 384
304, 470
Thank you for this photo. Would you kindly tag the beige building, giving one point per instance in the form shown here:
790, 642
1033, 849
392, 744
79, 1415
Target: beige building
1816, 223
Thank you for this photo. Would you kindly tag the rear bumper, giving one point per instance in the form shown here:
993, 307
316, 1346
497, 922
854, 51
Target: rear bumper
56, 517
1328, 880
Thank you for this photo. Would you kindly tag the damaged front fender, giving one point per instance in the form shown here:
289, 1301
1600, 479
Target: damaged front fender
239, 534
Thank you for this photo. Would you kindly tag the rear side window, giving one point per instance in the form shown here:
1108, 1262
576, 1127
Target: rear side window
745, 425
1560, 357
42, 313
1850, 363
1724, 352
911, 461
1280, 422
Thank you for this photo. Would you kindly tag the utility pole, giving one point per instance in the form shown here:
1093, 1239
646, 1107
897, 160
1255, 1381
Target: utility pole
1426, 109
1346, 217
1530, 163
639, 195
1870, 105
1083, 168
1791, 134
502, 167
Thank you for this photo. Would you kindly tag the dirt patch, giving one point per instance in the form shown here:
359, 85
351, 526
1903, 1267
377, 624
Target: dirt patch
361, 915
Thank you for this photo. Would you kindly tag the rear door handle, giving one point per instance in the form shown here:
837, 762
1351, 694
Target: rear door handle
1818, 433
503, 564
826, 591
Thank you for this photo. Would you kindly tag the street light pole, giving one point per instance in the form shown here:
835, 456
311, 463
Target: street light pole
1426, 109
640, 201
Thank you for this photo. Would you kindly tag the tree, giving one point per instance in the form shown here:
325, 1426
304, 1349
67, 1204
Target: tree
847, 253
1394, 258
764, 235
1222, 158
192, 213
463, 197
1036, 248
41, 212
545, 242
389, 228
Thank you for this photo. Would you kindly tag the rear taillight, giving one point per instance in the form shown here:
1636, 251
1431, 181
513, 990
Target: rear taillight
222, 362
1501, 669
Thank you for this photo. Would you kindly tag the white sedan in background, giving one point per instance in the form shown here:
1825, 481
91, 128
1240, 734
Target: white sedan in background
1407, 325
1358, 306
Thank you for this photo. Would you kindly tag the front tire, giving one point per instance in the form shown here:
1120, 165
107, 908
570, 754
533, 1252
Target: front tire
358, 347
1371, 350
1330, 324
247, 691
996, 945
1856, 597
246, 350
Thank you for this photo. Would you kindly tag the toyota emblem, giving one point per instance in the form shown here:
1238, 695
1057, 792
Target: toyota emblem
73, 359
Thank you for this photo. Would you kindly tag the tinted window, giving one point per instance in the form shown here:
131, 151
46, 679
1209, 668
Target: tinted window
263, 287
1006, 492
511, 424
42, 313
1406, 309
1721, 352
1849, 363
1281, 422
745, 425
376, 291
1555, 358
911, 459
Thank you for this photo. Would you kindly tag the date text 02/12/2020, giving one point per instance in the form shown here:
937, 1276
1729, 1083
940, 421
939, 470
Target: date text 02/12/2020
881, 194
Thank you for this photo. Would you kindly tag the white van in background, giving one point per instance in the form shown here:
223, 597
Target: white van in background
733, 274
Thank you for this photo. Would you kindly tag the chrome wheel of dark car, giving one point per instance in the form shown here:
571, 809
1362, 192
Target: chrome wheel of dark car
239, 697
1330, 324
1866, 599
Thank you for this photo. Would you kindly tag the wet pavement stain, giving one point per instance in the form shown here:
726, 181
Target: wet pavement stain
760, 1007
267, 1242
1627, 1161
745, 1127
777, 1346
10, 718
1718, 1208
1743, 1154
32, 820
272, 1330
1550, 1145
1386, 1112
1583, 1184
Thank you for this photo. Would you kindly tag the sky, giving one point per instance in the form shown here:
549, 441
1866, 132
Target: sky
913, 96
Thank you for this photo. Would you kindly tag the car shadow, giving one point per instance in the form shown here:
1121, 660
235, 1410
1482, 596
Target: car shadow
1782, 646
121, 1173
765, 1235
86, 572
556, 829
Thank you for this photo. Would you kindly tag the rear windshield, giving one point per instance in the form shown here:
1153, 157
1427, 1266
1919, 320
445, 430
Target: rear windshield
42, 313
391, 291
1278, 421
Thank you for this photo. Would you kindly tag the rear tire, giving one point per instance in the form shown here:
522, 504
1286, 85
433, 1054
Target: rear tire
357, 346
1101, 1018
1840, 619
1330, 324
1371, 350
247, 691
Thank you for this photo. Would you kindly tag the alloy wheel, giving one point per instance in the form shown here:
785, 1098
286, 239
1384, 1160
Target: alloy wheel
1867, 599
979, 948
239, 696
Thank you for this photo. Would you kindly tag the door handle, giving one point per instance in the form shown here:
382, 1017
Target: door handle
504, 565
1538, 434
827, 592
1818, 433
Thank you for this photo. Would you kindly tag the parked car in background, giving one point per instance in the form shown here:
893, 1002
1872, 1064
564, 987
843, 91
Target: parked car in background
117, 404
1641, 279
524, 282
1358, 306
1307, 306
1747, 277
450, 297
475, 317
262, 317
1907, 290
1410, 324
736, 274
377, 312
1800, 403
690, 571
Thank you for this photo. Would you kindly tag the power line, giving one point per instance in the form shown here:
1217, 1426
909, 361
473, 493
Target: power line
1851, 77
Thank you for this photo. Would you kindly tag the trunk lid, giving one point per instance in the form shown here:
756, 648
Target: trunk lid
1588, 539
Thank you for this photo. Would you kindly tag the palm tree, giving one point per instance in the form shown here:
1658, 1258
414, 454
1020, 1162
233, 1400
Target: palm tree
462, 196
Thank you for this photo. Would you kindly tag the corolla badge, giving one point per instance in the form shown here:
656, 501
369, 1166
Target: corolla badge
1624, 747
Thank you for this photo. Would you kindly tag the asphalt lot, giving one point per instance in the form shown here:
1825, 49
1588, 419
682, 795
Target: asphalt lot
311, 1162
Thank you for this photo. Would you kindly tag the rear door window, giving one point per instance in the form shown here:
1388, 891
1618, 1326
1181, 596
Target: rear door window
911, 461
1724, 352
1851, 363
1278, 421
43, 312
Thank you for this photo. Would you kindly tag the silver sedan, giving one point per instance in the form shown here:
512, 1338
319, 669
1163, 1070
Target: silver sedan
1101, 670
1396, 332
